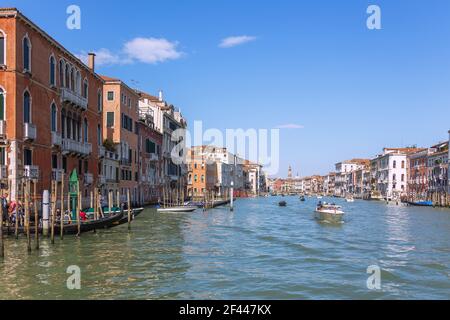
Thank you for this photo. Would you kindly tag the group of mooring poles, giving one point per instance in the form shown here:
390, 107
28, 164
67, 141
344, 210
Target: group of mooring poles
31, 208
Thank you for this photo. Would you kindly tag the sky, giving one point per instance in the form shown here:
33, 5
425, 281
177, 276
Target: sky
335, 88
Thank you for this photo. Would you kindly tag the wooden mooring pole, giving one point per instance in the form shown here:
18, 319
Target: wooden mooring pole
2, 245
129, 209
62, 208
54, 198
27, 214
36, 217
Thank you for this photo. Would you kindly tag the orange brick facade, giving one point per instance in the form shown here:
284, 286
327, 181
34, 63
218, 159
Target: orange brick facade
59, 130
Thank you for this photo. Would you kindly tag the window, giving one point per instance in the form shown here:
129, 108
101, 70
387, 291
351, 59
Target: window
85, 130
52, 71
110, 119
85, 89
26, 54
99, 101
395, 165
110, 95
2, 104
150, 146
2, 49
54, 115
27, 157
64, 164
403, 164
26, 107
3, 156
54, 161
61, 73
403, 178
99, 135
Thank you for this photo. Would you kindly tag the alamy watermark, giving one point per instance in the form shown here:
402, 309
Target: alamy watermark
260, 146
73, 22
374, 280
374, 20
73, 282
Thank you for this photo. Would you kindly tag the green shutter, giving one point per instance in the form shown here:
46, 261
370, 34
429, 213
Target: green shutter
2, 106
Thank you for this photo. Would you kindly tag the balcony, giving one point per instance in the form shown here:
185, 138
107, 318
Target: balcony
101, 152
88, 179
29, 131
125, 162
56, 139
74, 99
2, 128
31, 172
76, 147
101, 180
57, 175
3, 173
154, 157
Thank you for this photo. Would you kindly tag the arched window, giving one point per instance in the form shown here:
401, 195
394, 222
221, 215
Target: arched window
78, 85
26, 54
63, 123
26, 107
61, 73
67, 75
69, 125
52, 71
85, 130
99, 135
72, 79
99, 101
2, 104
85, 89
54, 117
2, 48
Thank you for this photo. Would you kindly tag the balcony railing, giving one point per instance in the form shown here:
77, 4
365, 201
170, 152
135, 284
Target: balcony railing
57, 175
154, 157
2, 128
125, 162
101, 152
88, 179
101, 180
72, 146
31, 172
56, 139
74, 99
29, 131
3, 172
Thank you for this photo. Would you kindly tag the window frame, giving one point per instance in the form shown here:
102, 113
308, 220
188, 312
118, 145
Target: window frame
4, 37
27, 70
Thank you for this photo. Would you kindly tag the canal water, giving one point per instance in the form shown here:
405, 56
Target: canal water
260, 251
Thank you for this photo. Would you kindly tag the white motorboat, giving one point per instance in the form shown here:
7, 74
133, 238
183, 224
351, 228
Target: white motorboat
350, 199
319, 197
182, 209
329, 212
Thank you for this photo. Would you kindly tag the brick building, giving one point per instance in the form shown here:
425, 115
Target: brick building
50, 102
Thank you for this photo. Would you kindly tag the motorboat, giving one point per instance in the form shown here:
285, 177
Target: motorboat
282, 203
350, 199
329, 212
421, 203
180, 209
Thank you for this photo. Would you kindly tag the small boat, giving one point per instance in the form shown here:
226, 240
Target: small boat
350, 199
282, 203
319, 197
329, 212
302, 199
181, 209
421, 203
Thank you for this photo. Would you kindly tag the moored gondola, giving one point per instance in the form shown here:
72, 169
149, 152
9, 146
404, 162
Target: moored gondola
72, 229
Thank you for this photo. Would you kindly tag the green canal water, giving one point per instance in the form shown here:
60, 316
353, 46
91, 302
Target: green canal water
260, 251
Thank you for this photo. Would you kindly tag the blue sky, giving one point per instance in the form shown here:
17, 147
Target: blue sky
310, 63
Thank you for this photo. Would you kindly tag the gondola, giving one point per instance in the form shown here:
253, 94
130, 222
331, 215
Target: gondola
421, 203
134, 213
72, 229
282, 204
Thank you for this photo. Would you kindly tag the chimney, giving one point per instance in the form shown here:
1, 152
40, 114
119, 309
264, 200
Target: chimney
161, 96
91, 61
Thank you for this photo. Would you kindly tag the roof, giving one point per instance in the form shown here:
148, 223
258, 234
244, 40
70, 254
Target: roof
14, 12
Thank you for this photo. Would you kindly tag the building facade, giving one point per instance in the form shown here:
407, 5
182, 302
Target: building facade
49, 103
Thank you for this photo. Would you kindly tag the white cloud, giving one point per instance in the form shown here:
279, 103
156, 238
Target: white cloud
290, 126
151, 50
144, 50
235, 41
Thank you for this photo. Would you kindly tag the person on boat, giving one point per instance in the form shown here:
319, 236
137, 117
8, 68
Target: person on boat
83, 216
319, 205
67, 218
58, 215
